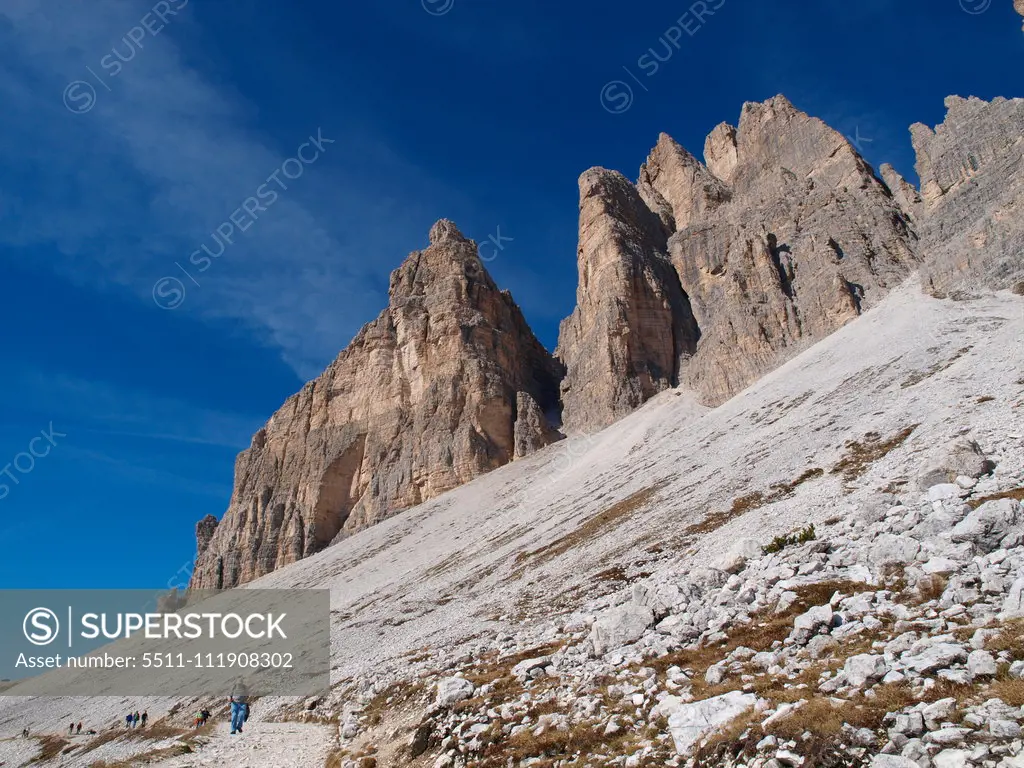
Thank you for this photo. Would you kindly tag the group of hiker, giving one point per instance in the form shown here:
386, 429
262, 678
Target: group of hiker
239, 715
132, 719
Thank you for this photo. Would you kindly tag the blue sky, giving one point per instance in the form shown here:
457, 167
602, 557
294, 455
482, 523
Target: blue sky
482, 112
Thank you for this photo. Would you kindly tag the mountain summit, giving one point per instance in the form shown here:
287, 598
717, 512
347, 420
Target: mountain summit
442, 387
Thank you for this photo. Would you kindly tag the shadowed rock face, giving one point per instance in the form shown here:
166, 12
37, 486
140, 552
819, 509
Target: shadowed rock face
805, 240
632, 327
425, 398
972, 183
707, 276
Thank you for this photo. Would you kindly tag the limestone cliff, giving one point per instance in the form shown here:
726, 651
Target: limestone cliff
707, 275
972, 184
446, 384
631, 328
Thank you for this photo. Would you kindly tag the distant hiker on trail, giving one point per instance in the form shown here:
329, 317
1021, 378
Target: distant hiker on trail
135, 719
145, 717
128, 720
204, 716
71, 730
24, 733
79, 728
239, 706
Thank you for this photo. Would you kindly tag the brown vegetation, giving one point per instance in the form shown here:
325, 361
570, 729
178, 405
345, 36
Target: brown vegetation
1016, 493
743, 504
861, 454
596, 525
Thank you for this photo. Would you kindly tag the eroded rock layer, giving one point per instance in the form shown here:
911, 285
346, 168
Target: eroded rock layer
972, 184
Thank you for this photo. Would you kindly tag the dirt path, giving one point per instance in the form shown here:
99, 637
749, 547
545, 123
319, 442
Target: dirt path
262, 745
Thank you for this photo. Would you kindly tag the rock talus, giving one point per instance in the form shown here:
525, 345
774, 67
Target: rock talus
446, 384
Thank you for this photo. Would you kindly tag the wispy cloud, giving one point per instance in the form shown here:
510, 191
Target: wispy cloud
139, 181
102, 408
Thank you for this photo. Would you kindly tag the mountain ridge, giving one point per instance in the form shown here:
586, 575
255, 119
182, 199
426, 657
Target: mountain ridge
700, 276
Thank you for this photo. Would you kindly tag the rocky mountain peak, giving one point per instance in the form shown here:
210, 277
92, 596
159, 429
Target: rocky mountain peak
446, 384
701, 276
446, 231
782, 238
625, 341
674, 176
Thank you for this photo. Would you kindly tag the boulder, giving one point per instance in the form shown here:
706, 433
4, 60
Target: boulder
935, 657
891, 549
523, 669
452, 690
735, 558
689, 723
620, 626
1013, 605
981, 664
808, 624
952, 758
986, 526
892, 761
961, 458
864, 668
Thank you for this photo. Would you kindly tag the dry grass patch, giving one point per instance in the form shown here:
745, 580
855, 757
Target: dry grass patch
1010, 639
861, 454
918, 376
145, 758
931, 587
596, 525
159, 732
743, 504
1009, 690
396, 696
572, 748
1017, 494
736, 738
760, 634
49, 748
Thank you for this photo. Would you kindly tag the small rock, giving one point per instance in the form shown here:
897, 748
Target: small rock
981, 664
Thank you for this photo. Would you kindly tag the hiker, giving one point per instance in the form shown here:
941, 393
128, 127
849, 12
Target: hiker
145, 717
204, 716
24, 733
128, 720
71, 730
135, 719
79, 729
239, 706
198, 719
